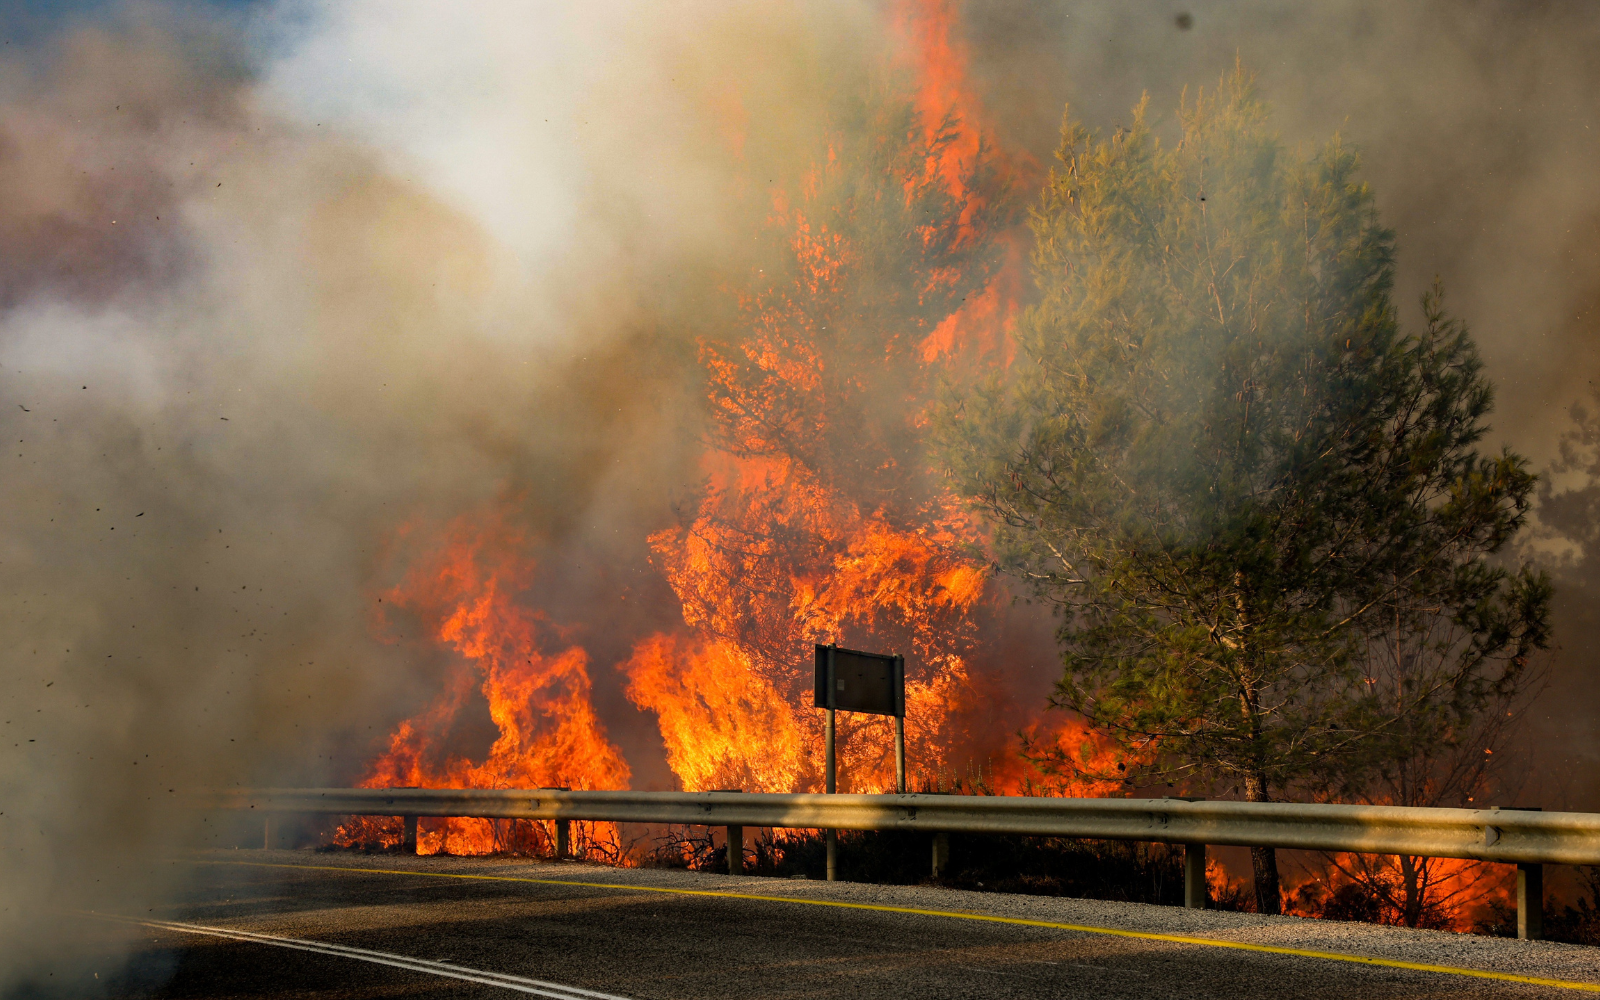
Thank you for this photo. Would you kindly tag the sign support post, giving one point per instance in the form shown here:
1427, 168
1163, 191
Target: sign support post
830, 777
900, 754
900, 724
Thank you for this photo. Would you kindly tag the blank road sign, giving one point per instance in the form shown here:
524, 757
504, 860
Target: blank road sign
860, 682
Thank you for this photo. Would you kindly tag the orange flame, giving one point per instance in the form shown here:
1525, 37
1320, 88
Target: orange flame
538, 694
979, 334
725, 725
1444, 893
939, 58
769, 567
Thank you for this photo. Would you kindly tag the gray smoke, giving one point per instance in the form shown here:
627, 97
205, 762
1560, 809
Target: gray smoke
280, 294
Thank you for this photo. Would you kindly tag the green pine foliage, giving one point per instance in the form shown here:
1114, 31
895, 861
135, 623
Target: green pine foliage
1237, 477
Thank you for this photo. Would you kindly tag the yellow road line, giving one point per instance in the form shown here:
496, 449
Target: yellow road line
1390, 963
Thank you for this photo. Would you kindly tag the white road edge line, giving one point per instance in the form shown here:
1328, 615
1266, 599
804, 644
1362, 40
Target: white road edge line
519, 984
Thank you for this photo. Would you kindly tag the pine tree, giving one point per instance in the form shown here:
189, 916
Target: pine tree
1221, 457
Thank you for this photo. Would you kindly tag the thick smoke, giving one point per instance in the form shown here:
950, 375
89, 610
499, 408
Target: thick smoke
278, 294
276, 285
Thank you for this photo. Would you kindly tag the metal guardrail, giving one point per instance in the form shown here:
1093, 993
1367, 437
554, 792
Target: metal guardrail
1503, 835
1527, 839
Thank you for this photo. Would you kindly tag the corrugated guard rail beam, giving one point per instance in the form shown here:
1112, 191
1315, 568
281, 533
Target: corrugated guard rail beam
1502, 835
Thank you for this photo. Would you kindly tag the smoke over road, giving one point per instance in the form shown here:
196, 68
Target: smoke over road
251, 345
287, 290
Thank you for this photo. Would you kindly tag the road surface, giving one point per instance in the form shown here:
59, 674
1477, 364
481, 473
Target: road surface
306, 924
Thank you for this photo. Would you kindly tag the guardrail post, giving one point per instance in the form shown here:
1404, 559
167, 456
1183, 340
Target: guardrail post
735, 848
563, 837
1194, 876
1530, 902
266, 833
900, 754
830, 838
408, 834
1530, 888
941, 853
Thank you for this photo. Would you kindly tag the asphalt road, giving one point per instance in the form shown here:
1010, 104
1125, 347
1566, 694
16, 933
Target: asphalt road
299, 924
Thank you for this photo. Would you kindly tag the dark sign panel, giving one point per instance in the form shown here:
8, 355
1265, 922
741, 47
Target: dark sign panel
853, 681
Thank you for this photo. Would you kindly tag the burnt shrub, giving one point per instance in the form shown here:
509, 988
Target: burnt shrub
1577, 922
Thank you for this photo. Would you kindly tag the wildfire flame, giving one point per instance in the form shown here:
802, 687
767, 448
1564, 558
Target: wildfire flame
820, 519
538, 691
1450, 894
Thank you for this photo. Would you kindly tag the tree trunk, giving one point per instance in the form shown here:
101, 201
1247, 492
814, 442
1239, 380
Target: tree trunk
1411, 915
1263, 859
